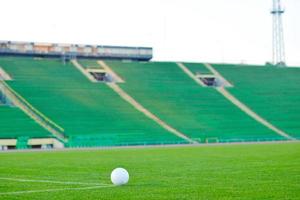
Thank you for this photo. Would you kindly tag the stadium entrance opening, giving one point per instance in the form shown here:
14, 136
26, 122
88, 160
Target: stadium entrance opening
101, 75
4, 100
1, 98
210, 80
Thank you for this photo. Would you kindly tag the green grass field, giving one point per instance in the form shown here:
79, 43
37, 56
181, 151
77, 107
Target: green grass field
256, 171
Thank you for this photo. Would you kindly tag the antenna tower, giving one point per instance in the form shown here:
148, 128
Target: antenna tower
278, 40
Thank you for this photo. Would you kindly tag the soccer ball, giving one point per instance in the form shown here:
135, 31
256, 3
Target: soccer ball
119, 176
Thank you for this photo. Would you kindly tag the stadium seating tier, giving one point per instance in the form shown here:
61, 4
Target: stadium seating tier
199, 112
92, 114
272, 92
89, 111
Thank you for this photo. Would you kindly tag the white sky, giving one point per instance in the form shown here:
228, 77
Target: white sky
178, 30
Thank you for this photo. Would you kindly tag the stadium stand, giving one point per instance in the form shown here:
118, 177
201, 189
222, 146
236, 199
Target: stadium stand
90, 113
199, 112
197, 68
14, 123
272, 92
94, 114
90, 64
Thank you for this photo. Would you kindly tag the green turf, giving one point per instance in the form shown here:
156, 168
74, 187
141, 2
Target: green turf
257, 171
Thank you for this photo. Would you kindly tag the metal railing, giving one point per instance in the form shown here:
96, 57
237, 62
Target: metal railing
85, 143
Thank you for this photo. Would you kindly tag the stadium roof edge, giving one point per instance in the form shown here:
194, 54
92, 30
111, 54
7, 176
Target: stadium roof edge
72, 44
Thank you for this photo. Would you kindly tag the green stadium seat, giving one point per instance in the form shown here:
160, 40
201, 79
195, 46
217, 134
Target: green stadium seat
272, 92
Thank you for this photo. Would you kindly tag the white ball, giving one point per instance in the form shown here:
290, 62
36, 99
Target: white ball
119, 176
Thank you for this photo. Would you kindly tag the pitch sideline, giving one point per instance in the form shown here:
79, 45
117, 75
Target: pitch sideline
52, 181
55, 190
90, 187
